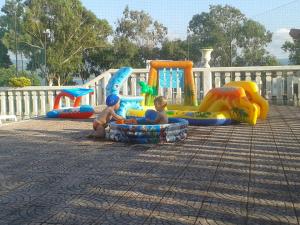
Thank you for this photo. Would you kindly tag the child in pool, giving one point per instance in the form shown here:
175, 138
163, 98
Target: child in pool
160, 104
102, 119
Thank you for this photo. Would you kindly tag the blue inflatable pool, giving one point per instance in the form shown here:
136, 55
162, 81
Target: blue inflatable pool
143, 133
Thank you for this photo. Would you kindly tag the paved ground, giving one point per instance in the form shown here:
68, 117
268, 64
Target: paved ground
50, 173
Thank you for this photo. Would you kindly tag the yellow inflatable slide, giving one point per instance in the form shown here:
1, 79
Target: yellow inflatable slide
240, 98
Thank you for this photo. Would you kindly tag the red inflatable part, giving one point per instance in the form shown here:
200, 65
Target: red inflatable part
58, 97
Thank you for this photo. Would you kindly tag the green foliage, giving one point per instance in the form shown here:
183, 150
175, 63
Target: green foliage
137, 38
8, 73
236, 40
174, 50
4, 57
19, 82
294, 51
65, 29
5, 75
138, 27
35, 79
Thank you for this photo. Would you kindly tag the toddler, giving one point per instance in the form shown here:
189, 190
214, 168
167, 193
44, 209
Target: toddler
160, 104
101, 121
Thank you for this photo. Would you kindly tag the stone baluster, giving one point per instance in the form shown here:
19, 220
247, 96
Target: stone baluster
298, 81
268, 85
290, 87
100, 87
105, 82
67, 102
42, 103
3, 102
133, 84
227, 77
217, 79
143, 79
26, 104
34, 98
85, 100
178, 89
258, 81
170, 90
147, 76
279, 87
19, 103
125, 87
11, 103
197, 78
92, 97
237, 76
51, 99
248, 76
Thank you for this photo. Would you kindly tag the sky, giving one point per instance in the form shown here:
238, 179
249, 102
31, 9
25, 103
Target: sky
278, 16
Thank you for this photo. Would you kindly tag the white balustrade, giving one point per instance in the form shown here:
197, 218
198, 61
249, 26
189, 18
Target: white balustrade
279, 87
92, 97
18, 104
298, 81
11, 103
26, 104
268, 85
217, 79
42, 103
51, 99
237, 76
124, 88
227, 77
197, 84
290, 86
274, 82
258, 80
34, 103
133, 84
3, 102
248, 76
67, 102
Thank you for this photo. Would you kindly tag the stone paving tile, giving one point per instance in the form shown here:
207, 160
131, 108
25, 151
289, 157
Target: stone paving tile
53, 174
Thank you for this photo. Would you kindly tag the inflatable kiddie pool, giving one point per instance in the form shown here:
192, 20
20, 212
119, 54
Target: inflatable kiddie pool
143, 133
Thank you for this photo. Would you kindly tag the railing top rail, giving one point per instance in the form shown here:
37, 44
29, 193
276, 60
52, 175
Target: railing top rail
230, 69
96, 79
249, 68
144, 70
36, 88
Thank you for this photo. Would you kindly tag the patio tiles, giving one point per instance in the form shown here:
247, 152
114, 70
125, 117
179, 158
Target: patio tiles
50, 173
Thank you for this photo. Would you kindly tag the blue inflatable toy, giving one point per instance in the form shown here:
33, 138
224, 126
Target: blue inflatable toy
151, 115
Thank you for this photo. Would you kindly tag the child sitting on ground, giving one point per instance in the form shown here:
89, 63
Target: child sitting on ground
160, 104
101, 121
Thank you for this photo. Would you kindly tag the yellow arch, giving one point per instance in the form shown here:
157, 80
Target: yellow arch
190, 97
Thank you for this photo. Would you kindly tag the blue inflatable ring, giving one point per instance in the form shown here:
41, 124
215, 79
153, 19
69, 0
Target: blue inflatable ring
174, 131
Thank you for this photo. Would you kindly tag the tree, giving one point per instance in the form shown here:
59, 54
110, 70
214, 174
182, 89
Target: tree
4, 57
6, 74
294, 50
233, 37
139, 28
60, 31
137, 37
9, 23
174, 50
